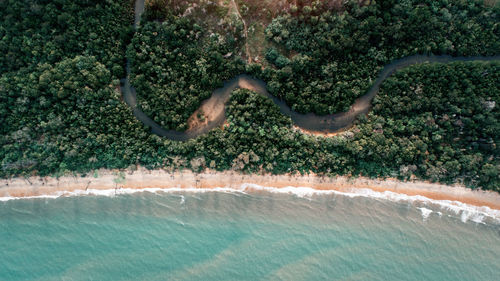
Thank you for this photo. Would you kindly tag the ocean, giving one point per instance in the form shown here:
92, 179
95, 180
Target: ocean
266, 234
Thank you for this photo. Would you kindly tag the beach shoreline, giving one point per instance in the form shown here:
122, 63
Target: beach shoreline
162, 179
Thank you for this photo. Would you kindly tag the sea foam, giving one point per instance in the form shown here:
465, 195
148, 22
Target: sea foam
465, 211
462, 210
425, 212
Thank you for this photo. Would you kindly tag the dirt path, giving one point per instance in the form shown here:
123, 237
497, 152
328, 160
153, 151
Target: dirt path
214, 110
138, 10
245, 31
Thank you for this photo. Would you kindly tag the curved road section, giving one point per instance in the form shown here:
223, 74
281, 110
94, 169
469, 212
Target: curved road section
215, 111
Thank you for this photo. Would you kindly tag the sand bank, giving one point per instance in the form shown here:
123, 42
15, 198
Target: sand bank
142, 178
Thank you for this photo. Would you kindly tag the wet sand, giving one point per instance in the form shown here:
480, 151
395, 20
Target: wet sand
142, 178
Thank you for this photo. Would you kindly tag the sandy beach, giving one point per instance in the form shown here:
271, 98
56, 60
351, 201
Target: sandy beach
143, 178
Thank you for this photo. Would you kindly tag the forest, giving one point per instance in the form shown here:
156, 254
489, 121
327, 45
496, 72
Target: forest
328, 59
175, 65
436, 121
36, 32
61, 108
433, 121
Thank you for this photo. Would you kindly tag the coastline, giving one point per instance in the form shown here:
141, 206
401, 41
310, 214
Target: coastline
143, 179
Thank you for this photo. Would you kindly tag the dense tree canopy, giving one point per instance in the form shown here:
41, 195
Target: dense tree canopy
61, 109
176, 65
46, 31
438, 121
433, 121
59, 105
65, 117
331, 58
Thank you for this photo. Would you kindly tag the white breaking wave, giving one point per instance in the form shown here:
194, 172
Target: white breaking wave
425, 212
465, 211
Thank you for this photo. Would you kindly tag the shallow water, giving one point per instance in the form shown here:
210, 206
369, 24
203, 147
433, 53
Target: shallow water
225, 235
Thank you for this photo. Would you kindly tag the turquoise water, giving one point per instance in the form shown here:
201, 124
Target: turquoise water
239, 236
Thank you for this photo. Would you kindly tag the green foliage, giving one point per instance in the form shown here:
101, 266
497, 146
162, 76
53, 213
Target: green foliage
255, 122
65, 117
443, 119
433, 121
43, 31
334, 57
175, 66
61, 109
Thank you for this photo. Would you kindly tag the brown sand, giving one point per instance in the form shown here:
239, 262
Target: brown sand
142, 178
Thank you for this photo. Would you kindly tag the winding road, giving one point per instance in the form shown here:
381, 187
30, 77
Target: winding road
214, 109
